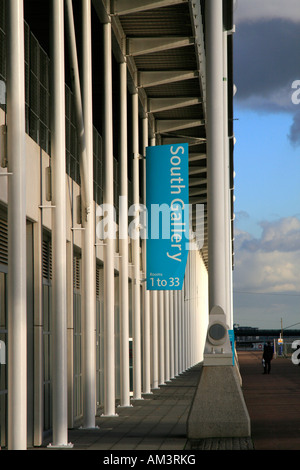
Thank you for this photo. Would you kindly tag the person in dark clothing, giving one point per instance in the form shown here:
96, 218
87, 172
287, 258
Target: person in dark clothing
298, 356
267, 356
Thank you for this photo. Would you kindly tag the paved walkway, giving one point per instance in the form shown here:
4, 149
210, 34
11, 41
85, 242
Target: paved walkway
158, 421
273, 402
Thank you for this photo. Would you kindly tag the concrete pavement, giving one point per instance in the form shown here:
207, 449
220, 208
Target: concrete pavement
273, 402
158, 421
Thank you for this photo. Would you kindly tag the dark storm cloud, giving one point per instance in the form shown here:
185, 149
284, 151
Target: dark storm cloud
266, 63
266, 57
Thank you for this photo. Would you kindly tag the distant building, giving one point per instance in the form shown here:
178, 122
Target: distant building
251, 338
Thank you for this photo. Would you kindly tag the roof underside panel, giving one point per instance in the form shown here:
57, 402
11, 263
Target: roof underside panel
161, 48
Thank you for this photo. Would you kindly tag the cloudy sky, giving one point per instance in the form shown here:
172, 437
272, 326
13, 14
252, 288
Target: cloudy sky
267, 163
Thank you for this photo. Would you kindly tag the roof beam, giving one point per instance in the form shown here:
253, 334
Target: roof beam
124, 7
163, 104
169, 125
196, 170
197, 200
101, 10
195, 157
141, 46
197, 181
147, 79
197, 192
199, 43
169, 140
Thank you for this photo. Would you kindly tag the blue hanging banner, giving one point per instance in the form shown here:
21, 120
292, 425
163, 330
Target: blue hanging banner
231, 338
167, 202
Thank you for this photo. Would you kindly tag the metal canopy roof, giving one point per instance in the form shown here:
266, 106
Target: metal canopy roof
163, 43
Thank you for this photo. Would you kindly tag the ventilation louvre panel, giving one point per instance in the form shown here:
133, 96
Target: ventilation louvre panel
76, 272
3, 242
47, 260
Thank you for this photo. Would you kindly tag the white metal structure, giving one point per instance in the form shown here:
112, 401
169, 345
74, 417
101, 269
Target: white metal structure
138, 74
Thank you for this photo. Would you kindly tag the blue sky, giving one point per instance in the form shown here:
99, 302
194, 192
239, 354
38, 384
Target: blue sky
267, 169
267, 164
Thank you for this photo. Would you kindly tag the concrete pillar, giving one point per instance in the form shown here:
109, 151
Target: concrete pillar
154, 325
59, 256
227, 199
182, 333
17, 318
146, 323
167, 334
217, 248
176, 348
137, 366
154, 349
108, 198
218, 408
88, 255
161, 350
172, 357
123, 243
180, 363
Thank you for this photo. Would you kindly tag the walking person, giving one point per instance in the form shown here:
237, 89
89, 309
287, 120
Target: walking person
267, 356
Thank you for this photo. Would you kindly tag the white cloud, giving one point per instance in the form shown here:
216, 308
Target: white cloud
254, 10
271, 263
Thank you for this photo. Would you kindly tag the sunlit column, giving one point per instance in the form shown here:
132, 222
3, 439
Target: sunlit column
108, 198
176, 346
17, 327
172, 358
123, 241
227, 198
217, 248
136, 327
154, 349
167, 334
89, 259
146, 323
161, 342
59, 284
179, 331
154, 325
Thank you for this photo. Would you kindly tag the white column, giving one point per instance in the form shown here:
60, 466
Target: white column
17, 326
59, 284
183, 323
123, 242
161, 342
185, 314
227, 198
194, 331
176, 347
217, 248
146, 332
154, 340
187, 310
191, 308
179, 331
172, 358
137, 369
167, 334
88, 258
109, 314
154, 317
183, 328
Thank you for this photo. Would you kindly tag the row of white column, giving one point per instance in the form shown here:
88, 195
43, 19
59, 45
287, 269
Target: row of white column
167, 323
218, 165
